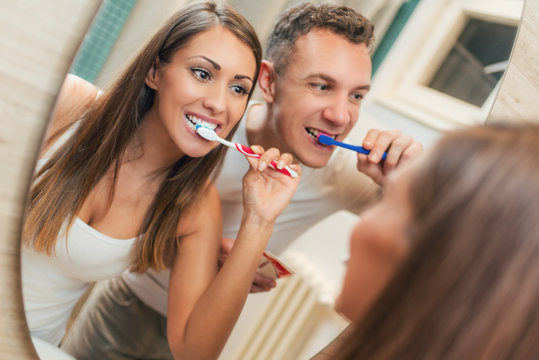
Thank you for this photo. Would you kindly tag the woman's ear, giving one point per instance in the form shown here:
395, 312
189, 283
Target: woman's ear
266, 81
152, 76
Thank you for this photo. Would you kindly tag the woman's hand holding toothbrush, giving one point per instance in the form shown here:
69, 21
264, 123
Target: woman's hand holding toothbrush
266, 192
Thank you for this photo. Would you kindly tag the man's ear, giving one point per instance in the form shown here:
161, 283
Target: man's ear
152, 76
266, 81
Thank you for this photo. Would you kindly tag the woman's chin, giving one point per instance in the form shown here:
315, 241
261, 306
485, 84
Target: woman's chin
198, 151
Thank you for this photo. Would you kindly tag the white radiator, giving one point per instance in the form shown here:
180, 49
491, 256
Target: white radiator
292, 315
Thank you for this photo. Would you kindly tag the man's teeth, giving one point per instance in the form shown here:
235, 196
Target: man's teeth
314, 133
193, 121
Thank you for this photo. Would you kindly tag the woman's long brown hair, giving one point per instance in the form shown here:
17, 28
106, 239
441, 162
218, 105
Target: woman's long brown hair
469, 289
98, 143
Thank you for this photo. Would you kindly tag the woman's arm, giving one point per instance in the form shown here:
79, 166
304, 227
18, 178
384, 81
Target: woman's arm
204, 303
74, 98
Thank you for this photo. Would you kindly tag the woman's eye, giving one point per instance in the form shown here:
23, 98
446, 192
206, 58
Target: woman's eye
239, 89
201, 73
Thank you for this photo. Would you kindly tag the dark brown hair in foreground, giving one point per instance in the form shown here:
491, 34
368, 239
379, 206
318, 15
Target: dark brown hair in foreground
469, 289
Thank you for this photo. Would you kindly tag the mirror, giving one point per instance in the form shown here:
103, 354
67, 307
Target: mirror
425, 80
35, 68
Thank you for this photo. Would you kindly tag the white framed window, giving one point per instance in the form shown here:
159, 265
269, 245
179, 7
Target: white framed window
445, 73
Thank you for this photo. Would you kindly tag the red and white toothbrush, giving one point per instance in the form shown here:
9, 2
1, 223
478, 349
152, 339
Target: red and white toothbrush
209, 134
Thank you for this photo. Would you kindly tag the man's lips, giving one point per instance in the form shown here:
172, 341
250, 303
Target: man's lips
314, 133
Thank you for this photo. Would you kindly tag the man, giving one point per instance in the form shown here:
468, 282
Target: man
317, 71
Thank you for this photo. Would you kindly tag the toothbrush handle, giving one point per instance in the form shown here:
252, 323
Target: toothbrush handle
359, 149
245, 150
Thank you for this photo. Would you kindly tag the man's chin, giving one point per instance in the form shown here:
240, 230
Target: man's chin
315, 162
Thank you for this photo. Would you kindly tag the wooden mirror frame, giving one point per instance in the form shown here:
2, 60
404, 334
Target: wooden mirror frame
39, 40
32, 68
517, 98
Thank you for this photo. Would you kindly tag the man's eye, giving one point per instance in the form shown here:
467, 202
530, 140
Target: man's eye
201, 74
322, 87
357, 97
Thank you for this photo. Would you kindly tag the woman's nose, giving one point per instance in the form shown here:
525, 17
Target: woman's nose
215, 99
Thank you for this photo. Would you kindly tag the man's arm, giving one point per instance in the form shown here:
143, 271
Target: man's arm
74, 98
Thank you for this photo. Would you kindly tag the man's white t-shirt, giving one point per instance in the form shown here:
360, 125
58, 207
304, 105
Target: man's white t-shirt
321, 192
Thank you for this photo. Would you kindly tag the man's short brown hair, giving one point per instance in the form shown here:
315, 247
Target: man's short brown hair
300, 20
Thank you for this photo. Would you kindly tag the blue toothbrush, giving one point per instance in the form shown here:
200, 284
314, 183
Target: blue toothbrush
326, 140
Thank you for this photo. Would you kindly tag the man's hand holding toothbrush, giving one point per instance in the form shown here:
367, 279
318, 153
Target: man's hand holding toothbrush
399, 147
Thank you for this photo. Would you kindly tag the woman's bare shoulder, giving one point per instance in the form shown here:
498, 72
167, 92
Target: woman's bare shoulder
74, 98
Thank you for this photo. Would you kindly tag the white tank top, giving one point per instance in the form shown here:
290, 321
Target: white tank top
52, 285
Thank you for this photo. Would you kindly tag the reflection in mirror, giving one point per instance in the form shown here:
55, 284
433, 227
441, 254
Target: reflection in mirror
444, 70
319, 270
127, 178
476, 62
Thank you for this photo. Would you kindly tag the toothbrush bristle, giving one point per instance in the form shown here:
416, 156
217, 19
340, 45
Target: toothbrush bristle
324, 139
206, 133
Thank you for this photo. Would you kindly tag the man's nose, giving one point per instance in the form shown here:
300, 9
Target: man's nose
337, 112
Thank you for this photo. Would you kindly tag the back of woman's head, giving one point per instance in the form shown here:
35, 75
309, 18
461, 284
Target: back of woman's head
469, 288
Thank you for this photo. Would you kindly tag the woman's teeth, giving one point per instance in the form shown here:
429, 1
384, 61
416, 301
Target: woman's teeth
193, 121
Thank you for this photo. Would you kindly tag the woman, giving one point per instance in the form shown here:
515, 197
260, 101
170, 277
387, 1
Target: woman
134, 169
468, 288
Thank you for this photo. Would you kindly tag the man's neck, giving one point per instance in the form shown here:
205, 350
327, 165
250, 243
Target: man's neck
260, 127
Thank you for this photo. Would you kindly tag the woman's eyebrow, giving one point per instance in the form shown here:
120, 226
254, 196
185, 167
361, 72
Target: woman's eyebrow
239, 77
218, 67
215, 65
